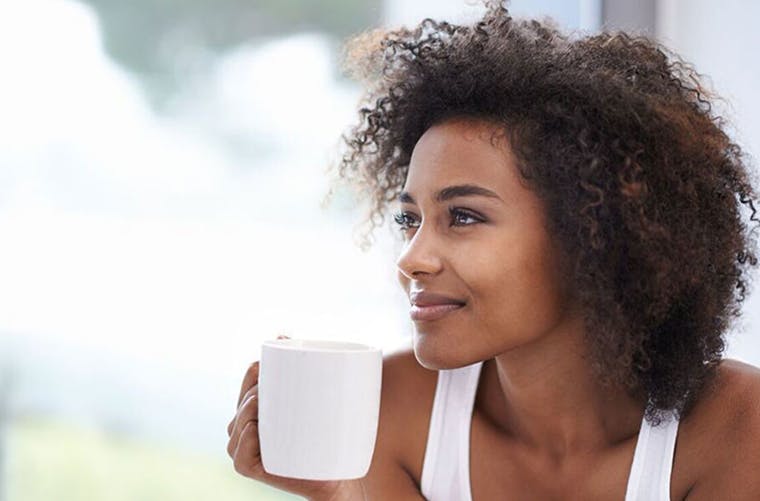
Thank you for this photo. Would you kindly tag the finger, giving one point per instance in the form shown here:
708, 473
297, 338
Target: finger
247, 394
247, 454
236, 419
251, 378
249, 411
251, 391
252, 375
231, 426
234, 440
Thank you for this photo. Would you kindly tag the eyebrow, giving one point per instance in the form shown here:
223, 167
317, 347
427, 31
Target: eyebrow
459, 190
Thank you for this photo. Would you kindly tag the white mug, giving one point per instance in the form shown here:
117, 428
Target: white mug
319, 405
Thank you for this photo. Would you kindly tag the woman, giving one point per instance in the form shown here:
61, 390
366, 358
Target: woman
574, 252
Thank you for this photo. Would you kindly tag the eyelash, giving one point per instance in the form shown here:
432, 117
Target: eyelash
400, 218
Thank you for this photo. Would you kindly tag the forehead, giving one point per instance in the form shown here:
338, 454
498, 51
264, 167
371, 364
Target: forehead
458, 152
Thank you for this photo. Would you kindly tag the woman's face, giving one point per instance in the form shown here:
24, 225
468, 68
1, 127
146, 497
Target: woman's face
491, 252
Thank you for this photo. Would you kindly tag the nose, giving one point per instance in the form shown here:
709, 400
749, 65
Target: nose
418, 256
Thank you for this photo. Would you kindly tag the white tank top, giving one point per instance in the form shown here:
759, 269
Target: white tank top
446, 467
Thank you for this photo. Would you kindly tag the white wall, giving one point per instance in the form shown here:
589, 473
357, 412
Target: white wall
722, 43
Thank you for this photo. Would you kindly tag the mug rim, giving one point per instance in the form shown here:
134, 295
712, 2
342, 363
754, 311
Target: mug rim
320, 345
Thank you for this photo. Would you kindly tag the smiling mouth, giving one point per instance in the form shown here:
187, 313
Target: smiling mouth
433, 311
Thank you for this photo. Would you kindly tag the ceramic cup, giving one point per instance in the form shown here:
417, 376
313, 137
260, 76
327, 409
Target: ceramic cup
319, 404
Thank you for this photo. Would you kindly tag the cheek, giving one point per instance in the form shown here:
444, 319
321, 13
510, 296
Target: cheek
517, 295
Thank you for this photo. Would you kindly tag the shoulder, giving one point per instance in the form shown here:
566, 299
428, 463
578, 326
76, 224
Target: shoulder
728, 419
742, 403
734, 401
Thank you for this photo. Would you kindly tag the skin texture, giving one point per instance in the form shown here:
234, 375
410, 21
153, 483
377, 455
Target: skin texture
715, 455
498, 257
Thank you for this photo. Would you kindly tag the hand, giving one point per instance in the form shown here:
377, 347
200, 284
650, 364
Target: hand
243, 448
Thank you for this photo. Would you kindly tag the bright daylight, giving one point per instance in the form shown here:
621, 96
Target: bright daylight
163, 170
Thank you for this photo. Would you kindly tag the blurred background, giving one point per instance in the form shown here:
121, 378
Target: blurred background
162, 164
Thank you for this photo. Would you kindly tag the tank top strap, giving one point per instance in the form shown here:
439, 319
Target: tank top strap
649, 478
446, 466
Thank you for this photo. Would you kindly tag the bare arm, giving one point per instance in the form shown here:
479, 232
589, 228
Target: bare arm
389, 480
384, 481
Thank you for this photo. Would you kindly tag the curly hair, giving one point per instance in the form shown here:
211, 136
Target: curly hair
617, 137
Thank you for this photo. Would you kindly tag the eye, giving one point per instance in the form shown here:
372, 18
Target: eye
403, 219
459, 217
458, 214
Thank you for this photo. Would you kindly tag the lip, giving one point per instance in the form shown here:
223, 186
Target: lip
427, 298
428, 305
432, 312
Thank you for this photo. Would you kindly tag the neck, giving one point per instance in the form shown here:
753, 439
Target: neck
544, 396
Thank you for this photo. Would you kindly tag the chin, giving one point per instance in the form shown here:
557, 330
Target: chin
435, 355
